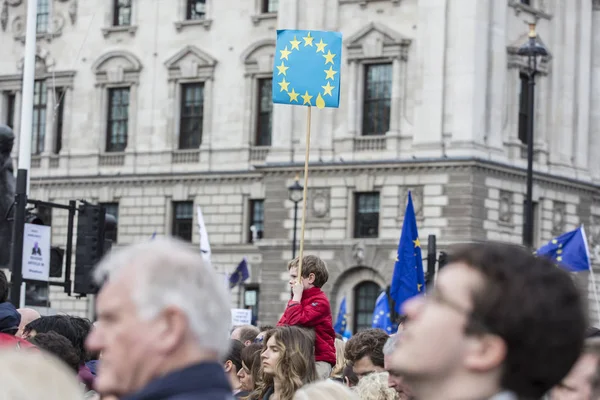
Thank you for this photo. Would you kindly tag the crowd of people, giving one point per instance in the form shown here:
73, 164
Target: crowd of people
499, 324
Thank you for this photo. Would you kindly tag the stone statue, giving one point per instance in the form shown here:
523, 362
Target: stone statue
358, 253
7, 194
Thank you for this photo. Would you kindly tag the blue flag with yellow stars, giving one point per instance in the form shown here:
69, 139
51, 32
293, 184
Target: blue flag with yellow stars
408, 279
307, 68
342, 319
381, 315
570, 250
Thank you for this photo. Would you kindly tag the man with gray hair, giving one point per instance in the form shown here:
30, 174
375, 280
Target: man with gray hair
395, 381
163, 322
245, 334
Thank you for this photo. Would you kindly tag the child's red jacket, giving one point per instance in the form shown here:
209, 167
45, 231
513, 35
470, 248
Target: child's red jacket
313, 312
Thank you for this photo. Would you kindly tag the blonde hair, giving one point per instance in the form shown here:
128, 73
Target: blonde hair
33, 375
375, 387
340, 360
325, 390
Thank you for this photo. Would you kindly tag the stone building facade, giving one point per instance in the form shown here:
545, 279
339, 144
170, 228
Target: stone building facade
155, 107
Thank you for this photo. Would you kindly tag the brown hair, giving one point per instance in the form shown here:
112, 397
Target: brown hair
523, 298
312, 265
369, 343
296, 364
251, 359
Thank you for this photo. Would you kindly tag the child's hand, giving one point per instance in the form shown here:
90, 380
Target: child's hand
297, 290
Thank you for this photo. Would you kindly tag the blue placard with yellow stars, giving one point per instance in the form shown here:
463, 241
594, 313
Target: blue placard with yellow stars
307, 68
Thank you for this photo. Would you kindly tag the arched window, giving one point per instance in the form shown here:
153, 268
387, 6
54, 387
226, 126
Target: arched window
365, 296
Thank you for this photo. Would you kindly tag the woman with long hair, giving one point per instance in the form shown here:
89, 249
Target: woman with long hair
288, 363
249, 374
337, 373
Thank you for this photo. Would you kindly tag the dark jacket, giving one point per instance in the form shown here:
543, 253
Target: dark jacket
314, 312
205, 381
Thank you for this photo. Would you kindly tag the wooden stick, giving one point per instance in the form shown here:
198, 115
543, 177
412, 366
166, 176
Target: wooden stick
305, 191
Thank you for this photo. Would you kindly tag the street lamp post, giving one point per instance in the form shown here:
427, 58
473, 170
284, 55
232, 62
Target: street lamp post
295, 195
530, 49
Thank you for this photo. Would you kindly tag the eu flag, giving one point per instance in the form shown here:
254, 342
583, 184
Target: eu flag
570, 250
381, 314
408, 279
342, 318
240, 274
307, 68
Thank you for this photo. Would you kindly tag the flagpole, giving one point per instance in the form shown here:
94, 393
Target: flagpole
592, 275
304, 193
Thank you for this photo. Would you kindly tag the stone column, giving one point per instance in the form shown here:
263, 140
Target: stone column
497, 77
584, 50
50, 121
467, 76
565, 130
396, 104
283, 115
594, 137
431, 51
352, 98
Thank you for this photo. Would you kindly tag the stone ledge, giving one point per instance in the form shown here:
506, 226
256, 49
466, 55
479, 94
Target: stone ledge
256, 19
180, 25
112, 30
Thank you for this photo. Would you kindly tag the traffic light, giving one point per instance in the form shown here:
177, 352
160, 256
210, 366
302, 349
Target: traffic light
90, 246
56, 262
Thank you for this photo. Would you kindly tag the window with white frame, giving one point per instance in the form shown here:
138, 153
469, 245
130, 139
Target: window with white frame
117, 77
43, 16
377, 57
191, 116
195, 9
190, 73
122, 12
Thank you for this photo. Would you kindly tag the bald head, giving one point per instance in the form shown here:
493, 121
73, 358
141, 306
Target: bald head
27, 315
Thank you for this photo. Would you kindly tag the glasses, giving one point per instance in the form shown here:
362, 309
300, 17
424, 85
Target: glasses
475, 324
258, 340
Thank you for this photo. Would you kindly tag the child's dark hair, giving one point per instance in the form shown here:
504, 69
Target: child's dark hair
312, 265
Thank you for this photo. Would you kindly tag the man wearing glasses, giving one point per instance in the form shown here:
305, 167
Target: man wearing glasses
500, 324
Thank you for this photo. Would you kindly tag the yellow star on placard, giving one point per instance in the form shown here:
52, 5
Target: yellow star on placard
329, 57
295, 43
306, 97
321, 46
284, 85
308, 40
328, 88
282, 69
284, 53
419, 287
330, 73
293, 95
417, 242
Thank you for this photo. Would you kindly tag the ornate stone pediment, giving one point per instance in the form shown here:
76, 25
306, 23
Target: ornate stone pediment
377, 41
44, 63
259, 56
117, 67
191, 63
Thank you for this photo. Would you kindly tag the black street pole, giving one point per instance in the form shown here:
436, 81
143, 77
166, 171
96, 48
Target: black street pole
530, 49
528, 228
295, 229
18, 231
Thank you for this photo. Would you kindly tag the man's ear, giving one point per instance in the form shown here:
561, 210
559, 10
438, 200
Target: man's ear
247, 343
485, 353
311, 278
228, 366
